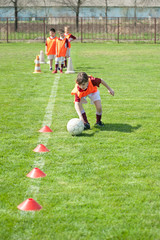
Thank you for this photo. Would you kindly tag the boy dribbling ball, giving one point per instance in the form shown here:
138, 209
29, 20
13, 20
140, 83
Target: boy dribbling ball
86, 86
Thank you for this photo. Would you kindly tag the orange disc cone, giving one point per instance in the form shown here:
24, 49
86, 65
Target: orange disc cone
36, 173
45, 129
29, 205
41, 148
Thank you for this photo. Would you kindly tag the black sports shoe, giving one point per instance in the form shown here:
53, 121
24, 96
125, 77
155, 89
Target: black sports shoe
99, 124
86, 126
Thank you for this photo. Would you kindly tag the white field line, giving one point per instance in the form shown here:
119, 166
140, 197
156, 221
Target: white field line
39, 162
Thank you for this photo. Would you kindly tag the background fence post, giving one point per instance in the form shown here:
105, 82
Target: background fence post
118, 31
44, 30
155, 30
7, 30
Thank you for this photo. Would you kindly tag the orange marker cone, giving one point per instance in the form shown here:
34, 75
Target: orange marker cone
37, 65
41, 148
45, 129
36, 173
29, 205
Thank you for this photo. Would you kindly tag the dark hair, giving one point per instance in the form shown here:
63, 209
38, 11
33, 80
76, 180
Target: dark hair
60, 31
82, 77
52, 30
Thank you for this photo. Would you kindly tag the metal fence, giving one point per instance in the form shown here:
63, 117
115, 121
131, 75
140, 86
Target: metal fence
89, 29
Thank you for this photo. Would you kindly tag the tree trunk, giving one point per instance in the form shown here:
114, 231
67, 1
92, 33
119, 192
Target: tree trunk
77, 16
77, 21
135, 14
106, 15
16, 16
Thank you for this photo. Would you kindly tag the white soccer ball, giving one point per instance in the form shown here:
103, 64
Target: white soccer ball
75, 126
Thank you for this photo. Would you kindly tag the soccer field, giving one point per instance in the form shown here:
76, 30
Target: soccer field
103, 184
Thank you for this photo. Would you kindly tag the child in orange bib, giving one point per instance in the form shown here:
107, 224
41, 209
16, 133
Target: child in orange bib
61, 49
70, 38
87, 86
50, 48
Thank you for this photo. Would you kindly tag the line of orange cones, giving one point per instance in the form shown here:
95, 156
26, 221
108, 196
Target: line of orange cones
30, 204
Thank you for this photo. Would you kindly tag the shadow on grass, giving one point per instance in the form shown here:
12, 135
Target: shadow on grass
86, 134
118, 127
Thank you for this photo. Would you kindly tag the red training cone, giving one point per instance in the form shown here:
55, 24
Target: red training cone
41, 148
45, 129
36, 173
29, 205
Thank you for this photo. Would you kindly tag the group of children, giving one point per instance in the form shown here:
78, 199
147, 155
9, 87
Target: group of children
58, 49
86, 86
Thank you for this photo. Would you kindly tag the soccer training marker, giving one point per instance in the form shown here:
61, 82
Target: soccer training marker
45, 129
37, 65
36, 173
41, 148
42, 61
29, 205
70, 66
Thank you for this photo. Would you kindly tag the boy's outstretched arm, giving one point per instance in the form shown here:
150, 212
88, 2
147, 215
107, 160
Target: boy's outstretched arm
110, 90
78, 110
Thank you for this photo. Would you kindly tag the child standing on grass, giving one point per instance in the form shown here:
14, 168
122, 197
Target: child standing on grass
61, 49
50, 48
70, 38
87, 86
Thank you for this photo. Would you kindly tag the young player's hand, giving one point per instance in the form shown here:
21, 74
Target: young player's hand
111, 91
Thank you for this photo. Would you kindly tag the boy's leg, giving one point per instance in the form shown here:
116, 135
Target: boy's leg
65, 62
50, 61
84, 116
50, 64
62, 64
67, 56
86, 123
96, 99
61, 70
56, 65
98, 112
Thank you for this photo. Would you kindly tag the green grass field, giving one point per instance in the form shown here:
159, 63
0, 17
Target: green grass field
104, 184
